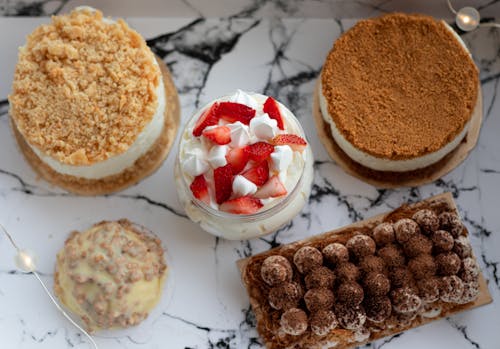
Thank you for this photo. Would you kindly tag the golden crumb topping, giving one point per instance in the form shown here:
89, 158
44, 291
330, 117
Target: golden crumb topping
399, 86
84, 89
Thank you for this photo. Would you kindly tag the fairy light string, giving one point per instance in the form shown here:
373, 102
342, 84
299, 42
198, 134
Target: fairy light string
468, 18
26, 260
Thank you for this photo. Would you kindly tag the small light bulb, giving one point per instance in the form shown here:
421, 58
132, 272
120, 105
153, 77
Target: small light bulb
468, 18
26, 261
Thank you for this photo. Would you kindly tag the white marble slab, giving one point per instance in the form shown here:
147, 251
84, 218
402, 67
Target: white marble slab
209, 307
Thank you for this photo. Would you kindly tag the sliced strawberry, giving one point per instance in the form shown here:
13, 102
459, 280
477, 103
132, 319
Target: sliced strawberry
272, 189
218, 134
238, 158
233, 112
258, 174
272, 109
295, 142
259, 151
242, 205
208, 118
199, 188
223, 180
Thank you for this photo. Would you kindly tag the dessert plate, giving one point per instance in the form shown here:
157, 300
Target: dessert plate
394, 179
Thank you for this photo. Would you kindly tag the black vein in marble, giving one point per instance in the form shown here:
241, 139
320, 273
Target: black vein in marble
32, 8
198, 46
319, 192
463, 330
224, 341
4, 107
488, 4
384, 342
141, 197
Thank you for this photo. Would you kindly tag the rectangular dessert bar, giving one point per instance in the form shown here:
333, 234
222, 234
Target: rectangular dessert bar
324, 298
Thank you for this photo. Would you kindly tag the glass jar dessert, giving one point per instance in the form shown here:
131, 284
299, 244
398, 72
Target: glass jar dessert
244, 168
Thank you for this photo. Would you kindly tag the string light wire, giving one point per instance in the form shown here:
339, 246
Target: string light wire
26, 262
468, 18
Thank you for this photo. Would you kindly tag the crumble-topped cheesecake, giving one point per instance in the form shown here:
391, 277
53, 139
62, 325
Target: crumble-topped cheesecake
365, 281
397, 94
111, 275
92, 108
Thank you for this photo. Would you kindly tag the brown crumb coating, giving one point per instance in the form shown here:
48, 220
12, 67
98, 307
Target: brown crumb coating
388, 107
83, 90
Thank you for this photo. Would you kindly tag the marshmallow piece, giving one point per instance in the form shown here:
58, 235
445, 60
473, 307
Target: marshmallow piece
239, 134
217, 156
242, 186
263, 127
243, 98
282, 158
195, 163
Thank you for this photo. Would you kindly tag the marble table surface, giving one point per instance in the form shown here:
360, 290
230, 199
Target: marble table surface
205, 305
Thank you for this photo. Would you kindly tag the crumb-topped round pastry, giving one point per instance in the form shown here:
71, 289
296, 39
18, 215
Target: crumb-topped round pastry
397, 93
92, 108
111, 275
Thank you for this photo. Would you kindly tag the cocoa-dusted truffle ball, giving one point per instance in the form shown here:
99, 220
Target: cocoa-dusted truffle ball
318, 298
383, 234
462, 247
422, 266
428, 289
405, 300
392, 255
322, 322
451, 289
427, 220
361, 245
401, 277
350, 293
347, 272
451, 223
372, 264
403, 320
275, 270
336, 253
307, 258
470, 270
448, 263
285, 296
442, 240
417, 245
350, 318
320, 277
377, 308
294, 321
471, 291
377, 284
404, 229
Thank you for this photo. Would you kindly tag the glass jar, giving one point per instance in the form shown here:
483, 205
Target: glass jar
270, 218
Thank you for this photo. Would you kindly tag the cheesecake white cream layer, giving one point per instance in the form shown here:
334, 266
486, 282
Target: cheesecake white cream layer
384, 164
118, 163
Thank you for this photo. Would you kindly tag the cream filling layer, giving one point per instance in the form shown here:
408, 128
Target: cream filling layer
116, 164
384, 164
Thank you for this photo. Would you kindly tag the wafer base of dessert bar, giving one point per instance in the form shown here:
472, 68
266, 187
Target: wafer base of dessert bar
340, 338
146, 165
386, 179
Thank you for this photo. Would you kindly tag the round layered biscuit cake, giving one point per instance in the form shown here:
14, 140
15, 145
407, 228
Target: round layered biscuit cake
93, 110
111, 275
396, 98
